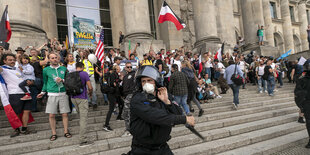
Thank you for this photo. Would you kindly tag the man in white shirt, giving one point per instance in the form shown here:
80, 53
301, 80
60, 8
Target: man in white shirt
221, 82
177, 61
12, 77
259, 75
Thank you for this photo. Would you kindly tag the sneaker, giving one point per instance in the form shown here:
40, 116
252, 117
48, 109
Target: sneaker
126, 134
95, 107
107, 128
25, 132
301, 120
218, 96
15, 133
119, 118
260, 92
266, 91
234, 106
26, 97
87, 143
308, 145
272, 95
192, 110
200, 112
74, 111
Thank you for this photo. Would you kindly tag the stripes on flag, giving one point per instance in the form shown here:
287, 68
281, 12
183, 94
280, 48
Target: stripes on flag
100, 49
167, 14
5, 26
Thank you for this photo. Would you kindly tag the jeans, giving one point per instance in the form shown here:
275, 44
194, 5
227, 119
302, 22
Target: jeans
261, 82
280, 78
217, 75
270, 84
93, 99
208, 71
235, 88
181, 100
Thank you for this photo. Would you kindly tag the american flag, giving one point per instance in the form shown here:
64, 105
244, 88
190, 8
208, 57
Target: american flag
100, 48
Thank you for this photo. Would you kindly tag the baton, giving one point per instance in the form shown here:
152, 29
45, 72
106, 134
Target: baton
193, 130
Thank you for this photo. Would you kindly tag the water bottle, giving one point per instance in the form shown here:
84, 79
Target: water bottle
60, 84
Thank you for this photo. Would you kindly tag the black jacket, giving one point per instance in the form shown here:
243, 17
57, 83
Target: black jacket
129, 83
151, 120
302, 93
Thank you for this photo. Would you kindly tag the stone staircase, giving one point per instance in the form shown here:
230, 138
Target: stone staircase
261, 125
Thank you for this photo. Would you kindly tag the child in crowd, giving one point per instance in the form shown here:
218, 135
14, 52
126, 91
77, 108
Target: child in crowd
28, 76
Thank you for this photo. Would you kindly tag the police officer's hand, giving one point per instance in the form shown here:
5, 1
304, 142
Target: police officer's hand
190, 120
162, 94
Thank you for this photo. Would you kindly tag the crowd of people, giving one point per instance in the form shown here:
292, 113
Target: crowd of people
41, 76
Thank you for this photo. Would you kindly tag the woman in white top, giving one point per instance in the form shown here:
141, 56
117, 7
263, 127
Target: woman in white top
70, 63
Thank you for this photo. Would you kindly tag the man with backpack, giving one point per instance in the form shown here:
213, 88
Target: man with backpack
79, 99
269, 76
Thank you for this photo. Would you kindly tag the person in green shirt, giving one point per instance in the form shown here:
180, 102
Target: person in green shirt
260, 34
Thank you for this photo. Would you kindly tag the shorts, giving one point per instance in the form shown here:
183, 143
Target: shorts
54, 101
18, 105
260, 38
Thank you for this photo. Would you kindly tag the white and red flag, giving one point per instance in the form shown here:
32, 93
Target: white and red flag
200, 66
5, 28
219, 53
100, 49
14, 120
167, 14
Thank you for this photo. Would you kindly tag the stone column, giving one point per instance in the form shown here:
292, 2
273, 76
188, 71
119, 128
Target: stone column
225, 15
117, 20
268, 23
302, 12
287, 25
49, 19
137, 19
252, 16
205, 23
26, 23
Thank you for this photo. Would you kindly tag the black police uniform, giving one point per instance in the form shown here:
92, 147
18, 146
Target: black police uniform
151, 123
302, 99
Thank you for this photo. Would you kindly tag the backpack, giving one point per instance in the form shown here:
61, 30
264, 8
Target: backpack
73, 84
266, 74
105, 86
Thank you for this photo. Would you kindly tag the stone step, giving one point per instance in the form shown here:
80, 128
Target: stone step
273, 145
42, 117
233, 142
100, 118
202, 125
182, 141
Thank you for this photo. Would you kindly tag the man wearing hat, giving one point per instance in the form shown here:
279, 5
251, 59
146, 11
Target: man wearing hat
20, 50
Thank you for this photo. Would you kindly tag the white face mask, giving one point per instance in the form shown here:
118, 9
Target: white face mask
149, 88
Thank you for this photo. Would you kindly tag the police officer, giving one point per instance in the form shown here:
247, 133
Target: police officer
153, 114
302, 96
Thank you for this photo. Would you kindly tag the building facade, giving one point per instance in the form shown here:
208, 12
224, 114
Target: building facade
209, 23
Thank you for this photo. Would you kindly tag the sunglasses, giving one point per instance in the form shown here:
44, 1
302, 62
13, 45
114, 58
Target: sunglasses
129, 67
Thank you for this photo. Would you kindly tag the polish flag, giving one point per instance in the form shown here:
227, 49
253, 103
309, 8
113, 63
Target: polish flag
166, 14
5, 28
12, 117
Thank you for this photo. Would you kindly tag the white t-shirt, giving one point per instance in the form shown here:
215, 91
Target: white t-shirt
242, 65
208, 63
71, 67
12, 78
260, 70
222, 67
273, 65
178, 62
